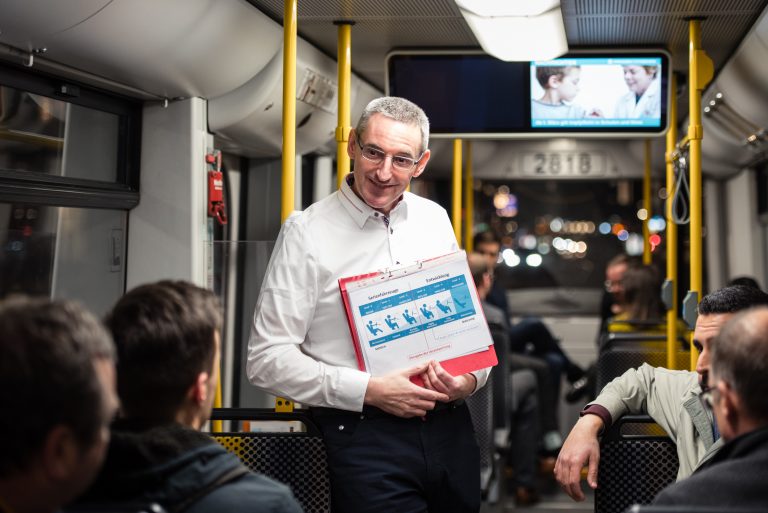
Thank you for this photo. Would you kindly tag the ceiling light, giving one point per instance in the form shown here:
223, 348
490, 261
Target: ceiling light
491, 8
520, 38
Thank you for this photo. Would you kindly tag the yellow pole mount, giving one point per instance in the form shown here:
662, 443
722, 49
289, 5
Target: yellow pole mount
700, 73
344, 57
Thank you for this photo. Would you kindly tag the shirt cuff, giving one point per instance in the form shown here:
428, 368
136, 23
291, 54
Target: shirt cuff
600, 411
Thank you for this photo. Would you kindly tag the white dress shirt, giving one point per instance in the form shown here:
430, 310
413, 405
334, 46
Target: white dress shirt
647, 106
300, 345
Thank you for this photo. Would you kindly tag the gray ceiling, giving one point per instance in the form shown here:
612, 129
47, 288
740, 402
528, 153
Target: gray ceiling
383, 25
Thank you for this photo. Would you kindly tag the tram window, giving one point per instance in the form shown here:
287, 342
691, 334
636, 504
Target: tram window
562, 233
45, 135
63, 253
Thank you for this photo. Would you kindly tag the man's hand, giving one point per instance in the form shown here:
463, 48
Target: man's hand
581, 447
455, 387
396, 394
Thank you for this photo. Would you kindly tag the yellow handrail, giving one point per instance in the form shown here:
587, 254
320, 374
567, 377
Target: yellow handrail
469, 201
671, 231
456, 189
345, 98
700, 73
647, 258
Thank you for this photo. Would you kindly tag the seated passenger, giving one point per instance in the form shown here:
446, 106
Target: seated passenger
640, 301
671, 398
57, 398
168, 342
737, 475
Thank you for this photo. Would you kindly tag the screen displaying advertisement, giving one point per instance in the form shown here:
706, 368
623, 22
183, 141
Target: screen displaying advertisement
583, 94
601, 92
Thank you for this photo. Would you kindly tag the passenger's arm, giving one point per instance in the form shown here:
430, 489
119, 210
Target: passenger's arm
580, 448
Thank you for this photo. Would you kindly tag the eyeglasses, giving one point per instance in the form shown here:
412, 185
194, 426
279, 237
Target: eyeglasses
610, 284
377, 156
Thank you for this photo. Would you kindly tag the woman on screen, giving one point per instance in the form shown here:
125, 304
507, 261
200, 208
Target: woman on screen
644, 97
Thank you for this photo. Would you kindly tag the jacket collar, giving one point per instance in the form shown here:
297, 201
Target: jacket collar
360, 211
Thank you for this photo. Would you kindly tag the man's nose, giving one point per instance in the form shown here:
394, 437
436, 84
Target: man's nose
384, 171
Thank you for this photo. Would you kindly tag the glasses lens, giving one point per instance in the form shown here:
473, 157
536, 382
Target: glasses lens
402, 163
373, 154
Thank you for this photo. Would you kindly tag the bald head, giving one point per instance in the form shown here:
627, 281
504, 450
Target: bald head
740, 359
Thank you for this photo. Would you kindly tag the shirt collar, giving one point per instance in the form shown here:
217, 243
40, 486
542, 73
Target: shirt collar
359, 210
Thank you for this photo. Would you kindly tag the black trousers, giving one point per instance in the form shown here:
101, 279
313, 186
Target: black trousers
383, 463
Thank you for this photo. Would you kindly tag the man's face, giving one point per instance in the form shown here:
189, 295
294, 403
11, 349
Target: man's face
381, 185
613, 284
490, 250
637, 79
707, 327
92, 457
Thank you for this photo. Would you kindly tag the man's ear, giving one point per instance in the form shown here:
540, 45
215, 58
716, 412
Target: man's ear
553, 82
351, 144
198, 392
729, 403
60, 453
422, 164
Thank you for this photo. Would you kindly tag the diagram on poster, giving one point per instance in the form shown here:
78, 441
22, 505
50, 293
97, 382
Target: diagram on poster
416, 314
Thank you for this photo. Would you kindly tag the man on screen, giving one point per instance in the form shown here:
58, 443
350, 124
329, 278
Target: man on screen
561, 85
644, 97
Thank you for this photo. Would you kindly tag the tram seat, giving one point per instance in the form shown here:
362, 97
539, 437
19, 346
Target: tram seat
652, 508
620, 352
481, 409
151, 507
297, 459
634, 467
501, 393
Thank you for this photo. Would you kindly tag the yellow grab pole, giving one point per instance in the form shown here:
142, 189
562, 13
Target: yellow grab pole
469, 201
289, 130
217, 425
456, 188
647, 204
671, 231
289, 108
700, 73
344, 56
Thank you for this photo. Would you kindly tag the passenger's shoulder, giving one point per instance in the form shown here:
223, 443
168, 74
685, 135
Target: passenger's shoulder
251, 493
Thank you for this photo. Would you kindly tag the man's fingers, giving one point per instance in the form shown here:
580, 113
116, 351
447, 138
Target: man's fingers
594, 464
437, 383
574, 482
422, 367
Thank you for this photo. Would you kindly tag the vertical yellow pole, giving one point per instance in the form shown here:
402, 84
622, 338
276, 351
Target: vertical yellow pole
289, 129
289, 108
647, 204
469, 201
217, 425
344, 56
671, 231
700, 74
456, 188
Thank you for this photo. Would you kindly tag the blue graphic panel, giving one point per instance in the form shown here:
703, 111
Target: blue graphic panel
417, 310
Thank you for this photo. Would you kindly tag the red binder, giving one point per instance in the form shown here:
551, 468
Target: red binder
456, 365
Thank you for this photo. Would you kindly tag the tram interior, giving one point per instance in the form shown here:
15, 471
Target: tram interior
108, 108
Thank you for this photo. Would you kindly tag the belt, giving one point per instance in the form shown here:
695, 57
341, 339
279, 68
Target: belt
372, 411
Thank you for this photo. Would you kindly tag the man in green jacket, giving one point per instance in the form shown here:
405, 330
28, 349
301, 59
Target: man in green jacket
671, 398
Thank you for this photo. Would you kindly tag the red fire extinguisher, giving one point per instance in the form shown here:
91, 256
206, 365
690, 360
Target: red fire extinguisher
216, 205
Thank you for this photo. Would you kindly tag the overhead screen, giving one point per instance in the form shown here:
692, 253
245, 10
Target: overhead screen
476, 95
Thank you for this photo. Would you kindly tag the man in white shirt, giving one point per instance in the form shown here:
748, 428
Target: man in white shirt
392, 445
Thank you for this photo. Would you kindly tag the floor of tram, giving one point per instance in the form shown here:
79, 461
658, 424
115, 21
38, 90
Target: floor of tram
553, 500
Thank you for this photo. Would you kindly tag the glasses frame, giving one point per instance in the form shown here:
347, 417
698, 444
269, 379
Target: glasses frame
414, 162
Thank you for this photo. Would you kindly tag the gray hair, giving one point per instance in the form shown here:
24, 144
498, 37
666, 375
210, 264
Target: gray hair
740, 357
399, 109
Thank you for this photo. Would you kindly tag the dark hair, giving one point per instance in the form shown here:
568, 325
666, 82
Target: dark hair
740, 357
747, 281
478, 266
164, 333
732, 299
485, 237
47, 376
544, 72
642, 293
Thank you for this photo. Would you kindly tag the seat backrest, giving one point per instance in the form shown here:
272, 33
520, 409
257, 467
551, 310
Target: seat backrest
617, 360
297, 459
500, 377
678, 508
633, 467
481, 409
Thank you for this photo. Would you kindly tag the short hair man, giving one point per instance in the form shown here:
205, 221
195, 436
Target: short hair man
57, 398
671, 398
168, 342
392, 445
736, 476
